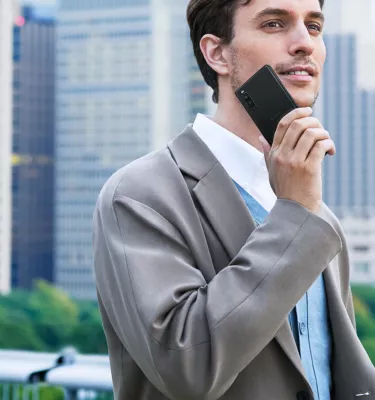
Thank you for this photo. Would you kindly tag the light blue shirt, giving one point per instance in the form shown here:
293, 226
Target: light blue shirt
309, 321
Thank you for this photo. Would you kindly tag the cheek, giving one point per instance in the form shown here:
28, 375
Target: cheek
252, 48
321, 54
252, 57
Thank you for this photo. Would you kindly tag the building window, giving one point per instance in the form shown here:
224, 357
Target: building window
361, 249
362, 267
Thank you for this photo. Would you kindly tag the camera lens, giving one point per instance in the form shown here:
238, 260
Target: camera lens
249, 100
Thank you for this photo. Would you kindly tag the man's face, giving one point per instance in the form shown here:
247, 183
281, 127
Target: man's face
286, 34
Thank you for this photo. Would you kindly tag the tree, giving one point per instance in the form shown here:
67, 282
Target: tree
55, 315
366, 293
14, 336
88, 336
48, 320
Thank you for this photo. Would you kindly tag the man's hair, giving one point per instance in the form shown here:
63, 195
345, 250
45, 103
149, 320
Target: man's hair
215, 17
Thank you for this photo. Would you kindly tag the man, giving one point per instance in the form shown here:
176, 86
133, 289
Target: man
219, 276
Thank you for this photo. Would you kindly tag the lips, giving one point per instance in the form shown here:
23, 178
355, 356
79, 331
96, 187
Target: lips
300, 70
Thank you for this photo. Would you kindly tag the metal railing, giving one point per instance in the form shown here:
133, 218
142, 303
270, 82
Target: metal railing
24, 374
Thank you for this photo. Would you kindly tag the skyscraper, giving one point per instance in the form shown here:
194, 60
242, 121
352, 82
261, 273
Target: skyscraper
346, 108
8, 9
123, 89
33, 147
348, 104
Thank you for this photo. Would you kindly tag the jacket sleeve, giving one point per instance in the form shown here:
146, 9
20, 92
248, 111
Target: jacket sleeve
192, 338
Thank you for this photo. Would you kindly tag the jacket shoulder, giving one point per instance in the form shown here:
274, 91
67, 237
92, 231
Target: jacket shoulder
146, 180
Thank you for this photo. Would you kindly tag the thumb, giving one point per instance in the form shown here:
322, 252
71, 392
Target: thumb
265, 146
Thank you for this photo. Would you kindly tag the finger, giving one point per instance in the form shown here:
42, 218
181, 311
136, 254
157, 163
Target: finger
265, 145
285, 122
296, 131
307, 142
320, 149
266, 148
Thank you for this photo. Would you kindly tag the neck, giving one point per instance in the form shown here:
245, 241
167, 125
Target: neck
232, 116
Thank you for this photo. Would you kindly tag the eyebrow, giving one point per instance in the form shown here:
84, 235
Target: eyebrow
285, 13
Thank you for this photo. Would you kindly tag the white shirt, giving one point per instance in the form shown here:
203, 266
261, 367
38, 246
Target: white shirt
243, 162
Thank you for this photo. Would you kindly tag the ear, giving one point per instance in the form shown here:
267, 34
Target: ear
215, 54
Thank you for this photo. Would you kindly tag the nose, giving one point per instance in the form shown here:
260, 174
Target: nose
301, 43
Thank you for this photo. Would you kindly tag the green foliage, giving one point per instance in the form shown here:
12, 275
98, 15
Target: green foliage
364, 305
45, 392
46, 319
366, 294
50, 393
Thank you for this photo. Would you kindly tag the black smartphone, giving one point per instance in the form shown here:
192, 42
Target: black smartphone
266, 100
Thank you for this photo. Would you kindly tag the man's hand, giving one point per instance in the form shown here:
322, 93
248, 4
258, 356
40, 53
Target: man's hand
295, 159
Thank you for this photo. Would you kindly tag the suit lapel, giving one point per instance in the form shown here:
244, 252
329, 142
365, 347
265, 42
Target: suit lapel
215, 191
225, 209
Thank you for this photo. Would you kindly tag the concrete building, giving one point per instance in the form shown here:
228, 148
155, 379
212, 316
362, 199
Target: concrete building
360, 235
8, 11
126, 84
33, 148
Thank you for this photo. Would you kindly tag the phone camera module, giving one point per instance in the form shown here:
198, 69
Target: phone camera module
249, 101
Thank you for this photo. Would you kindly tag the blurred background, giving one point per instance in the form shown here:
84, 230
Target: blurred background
87, 86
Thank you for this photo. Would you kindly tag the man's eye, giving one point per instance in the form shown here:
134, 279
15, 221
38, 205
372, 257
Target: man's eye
273, 24
315, 27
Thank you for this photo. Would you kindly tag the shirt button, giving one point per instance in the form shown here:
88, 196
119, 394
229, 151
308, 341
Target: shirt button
303, 396
302, 328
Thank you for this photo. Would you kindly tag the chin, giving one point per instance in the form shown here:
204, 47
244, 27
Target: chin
304, 101
304, 97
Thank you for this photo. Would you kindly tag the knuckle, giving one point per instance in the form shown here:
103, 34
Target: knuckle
325, 134
278, 159
296, 125
293, 162
310, 133
316, 122
283, 123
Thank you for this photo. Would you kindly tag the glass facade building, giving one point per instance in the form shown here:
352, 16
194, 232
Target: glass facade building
33, 148
123, 89
348, 114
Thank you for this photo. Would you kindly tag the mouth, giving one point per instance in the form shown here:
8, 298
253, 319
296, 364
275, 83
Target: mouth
299, 73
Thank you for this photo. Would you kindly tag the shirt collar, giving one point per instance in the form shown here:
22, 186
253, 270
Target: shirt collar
241, 161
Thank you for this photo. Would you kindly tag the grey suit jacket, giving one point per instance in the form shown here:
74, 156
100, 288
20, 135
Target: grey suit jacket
194, 298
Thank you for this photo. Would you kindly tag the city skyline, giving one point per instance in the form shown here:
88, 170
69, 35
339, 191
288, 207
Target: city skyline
127, 82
